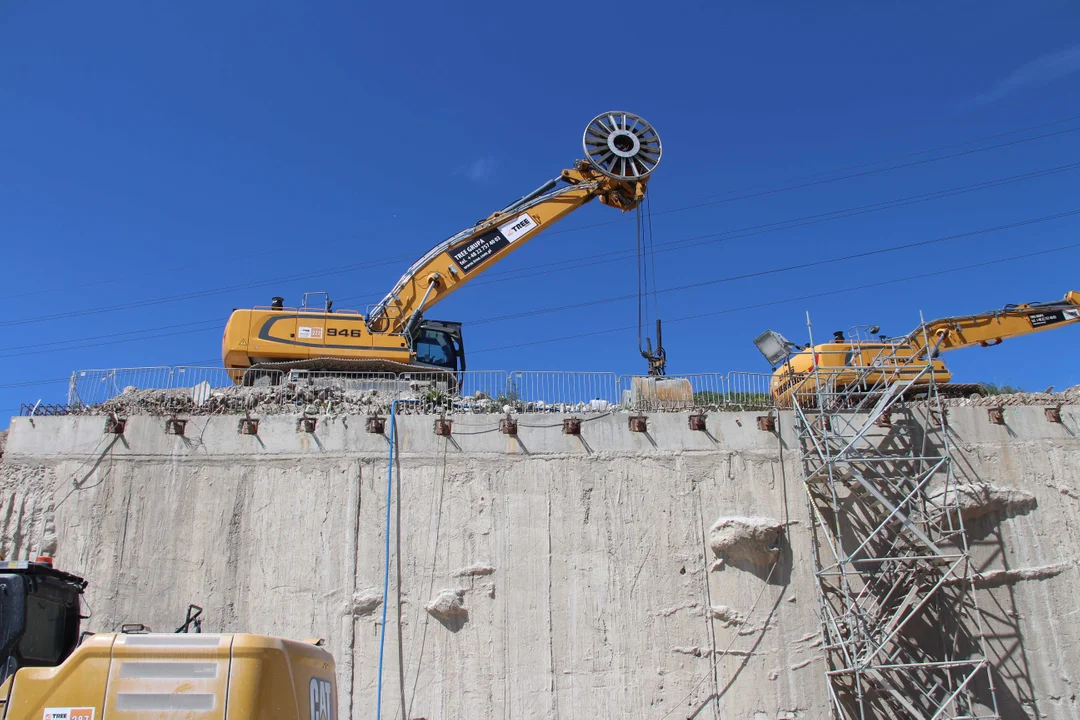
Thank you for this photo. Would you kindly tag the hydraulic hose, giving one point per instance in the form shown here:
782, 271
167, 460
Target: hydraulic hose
386, 573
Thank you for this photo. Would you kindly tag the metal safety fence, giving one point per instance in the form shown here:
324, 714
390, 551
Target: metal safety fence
702, 391
202, 389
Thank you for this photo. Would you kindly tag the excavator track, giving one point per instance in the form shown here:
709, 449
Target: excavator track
332, 365
950, 390
916, 392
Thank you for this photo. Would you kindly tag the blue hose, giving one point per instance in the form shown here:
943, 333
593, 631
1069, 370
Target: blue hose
386, 575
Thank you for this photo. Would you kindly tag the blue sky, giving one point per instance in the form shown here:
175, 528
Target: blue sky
177, 160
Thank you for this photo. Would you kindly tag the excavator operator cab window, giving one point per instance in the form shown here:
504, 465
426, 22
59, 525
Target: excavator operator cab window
39, 620
436, 347
46, 623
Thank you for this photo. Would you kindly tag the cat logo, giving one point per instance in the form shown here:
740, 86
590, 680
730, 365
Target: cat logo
322, 700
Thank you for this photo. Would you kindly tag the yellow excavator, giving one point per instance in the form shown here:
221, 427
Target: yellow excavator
621, 151
51, 671
857, 362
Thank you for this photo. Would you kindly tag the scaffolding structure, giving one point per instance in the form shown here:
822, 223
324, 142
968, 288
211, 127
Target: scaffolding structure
901, 629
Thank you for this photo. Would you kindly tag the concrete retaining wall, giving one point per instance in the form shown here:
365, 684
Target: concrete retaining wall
575, 573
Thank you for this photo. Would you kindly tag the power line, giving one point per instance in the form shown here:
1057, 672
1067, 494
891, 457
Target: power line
890, 168
794, 179
98, 337
350, 268
788, 268
787, 301
726, 311
799, 186
110, 342
193, 295
30, 383
669, 246
672, 245
615, 256
917, 153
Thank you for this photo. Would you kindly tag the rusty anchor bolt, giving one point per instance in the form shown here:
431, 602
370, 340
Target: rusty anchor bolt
996, 415
444, 427
571, 426
639, 423
375, 425
508, 426
884, 419
826, 422
766, 423
1053, 414
305, 425
697, 422
249, 426
175, 426
114, 425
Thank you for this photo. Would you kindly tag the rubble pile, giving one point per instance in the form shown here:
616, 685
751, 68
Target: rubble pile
321, 399
1049, 399
239, 400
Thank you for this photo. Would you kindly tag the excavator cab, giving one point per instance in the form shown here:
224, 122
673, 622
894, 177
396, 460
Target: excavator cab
438, 343
39, 615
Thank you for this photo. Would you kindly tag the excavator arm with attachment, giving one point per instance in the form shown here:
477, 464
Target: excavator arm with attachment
621, 151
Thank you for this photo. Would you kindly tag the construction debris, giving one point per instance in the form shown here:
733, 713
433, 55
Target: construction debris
365, 604
448, 604
475, 570
976, 500
341, 398
1050, 399
750, 539
727, 616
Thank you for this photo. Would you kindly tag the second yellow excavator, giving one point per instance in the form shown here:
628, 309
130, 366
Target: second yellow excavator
621, 151
872, 364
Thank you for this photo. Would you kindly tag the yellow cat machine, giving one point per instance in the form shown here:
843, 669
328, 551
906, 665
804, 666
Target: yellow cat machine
877, 363
621, 151
49, 671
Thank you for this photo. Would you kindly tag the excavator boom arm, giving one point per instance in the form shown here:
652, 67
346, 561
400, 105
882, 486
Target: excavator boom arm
467, 254
993, 327
621, 150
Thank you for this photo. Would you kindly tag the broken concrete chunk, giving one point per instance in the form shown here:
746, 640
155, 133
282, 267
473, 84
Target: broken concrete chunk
448, 604
475, 570
726, 615
997, 578
751, 539
975, 501
364, 604
695, 651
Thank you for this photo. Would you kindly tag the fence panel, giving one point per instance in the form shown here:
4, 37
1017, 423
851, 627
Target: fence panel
533, 391
181, 389
669, 393
748, 391
473, 391
93, 387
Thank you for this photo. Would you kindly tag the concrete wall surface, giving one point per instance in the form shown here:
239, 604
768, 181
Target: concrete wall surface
546, 575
